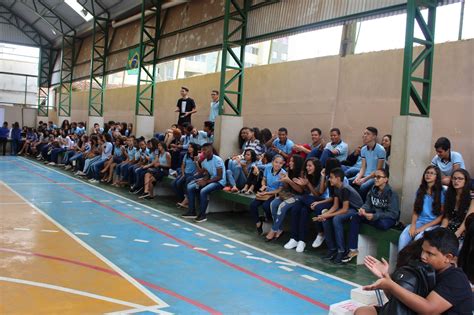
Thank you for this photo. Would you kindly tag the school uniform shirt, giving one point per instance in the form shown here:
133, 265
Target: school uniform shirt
348, 193
185, 140
212, 165
427, 214
372, 157
272, 179
87, 147
286, 147
131, 153
107, 150
453, 286
117, 151
4, 132
185, 106
80, 131
189, 165
446, 167
341, 147
201, 138
214, 111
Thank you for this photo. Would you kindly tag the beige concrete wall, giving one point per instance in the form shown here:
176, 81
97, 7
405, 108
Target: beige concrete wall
350, 93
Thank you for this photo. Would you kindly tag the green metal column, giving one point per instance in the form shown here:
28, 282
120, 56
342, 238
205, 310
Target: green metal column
66, 74
235, 37
44, 72
413, 80
98, 65
150, 30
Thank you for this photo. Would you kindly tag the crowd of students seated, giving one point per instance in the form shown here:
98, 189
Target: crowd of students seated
319, 182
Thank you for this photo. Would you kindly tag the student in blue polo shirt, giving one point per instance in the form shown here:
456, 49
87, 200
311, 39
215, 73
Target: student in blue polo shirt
336, 148
373, 158
4, 131
214, 179
271, 186
280, 145
448, 161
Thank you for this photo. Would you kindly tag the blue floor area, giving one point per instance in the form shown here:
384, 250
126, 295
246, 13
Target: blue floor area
220, 275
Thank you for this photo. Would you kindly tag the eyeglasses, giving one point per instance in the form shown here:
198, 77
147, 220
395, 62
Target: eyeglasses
458, 178
379, 177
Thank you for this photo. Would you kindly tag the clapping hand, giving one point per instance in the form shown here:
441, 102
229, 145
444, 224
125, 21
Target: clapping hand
377, 267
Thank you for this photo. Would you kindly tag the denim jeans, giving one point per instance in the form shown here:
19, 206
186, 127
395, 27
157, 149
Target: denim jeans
67, 156
180, 183
14, 146
405, 237
314, 153
89, 162
54, 154
266, 208
96, 167
279, 209
326, 155
357, 220
364, 188
235, 175
203, 192
334, 230
299, 216
131, 174
350, 171
140, 177
317, 211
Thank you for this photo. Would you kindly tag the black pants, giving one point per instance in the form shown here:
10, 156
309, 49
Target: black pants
3, 145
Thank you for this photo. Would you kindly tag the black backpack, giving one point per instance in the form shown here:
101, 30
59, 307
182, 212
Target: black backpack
416, 277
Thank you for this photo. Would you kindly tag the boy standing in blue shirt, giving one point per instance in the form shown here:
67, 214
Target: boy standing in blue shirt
4, 131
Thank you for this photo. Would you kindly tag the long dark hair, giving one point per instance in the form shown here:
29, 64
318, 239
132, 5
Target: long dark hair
466, 256
435, 192
298, 166
242, 141
316, 176
331, 163
464, 199
195, 150
265, 135
252, 154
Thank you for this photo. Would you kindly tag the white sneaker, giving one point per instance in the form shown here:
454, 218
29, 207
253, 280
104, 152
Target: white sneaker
51, 163
173, 173
318, 241
81, 173
93, 181
67, 167
291, 244
300, 247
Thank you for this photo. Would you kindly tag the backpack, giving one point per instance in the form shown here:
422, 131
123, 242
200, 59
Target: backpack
416, 277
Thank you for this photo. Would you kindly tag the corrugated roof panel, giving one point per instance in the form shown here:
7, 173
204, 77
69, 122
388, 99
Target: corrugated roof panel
12, 35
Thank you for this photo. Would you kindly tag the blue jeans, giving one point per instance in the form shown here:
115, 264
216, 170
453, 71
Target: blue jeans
180, 183
14, 146
357, 220
334, 230
317, 211
67, 156
235, 175
405, 237
140, 177
326, 155
203, 192
95, 168
315, 153
131, 173
54, 154
350, 171
299, 216
364, 188
266, 208
88, 163
279, 209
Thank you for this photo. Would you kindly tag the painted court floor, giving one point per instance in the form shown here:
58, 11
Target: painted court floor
73, 248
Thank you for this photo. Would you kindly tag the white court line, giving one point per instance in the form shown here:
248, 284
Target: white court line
108, 236
246, 253
229, 246
201, 227
50, 231
309, 277
153, 309
72, 291
268, 261
187, 229
285, 268
81, 233
170, 245
46, 202
200, 234
166, 220
86, 201
21, 229
105, 200
285, 263
118, 200
124, 275
146, 212
141, 241
66, 201
201, 249
214, 240
137, 208
253, 257
225, 253
155, 215
176, 224
129, 205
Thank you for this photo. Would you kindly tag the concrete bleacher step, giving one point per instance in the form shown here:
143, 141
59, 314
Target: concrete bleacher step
359, 297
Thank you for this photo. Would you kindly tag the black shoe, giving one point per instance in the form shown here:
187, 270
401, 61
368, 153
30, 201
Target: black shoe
148, 197
201, 218
330, 255
338, 259
349, 255
260, 229
189, 215
132, 189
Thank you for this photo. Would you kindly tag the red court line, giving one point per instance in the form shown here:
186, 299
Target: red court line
184, 243
114, 273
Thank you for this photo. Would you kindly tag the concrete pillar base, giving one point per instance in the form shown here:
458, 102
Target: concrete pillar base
411, 154
144, 126
226, 131
93, 120
63, 118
